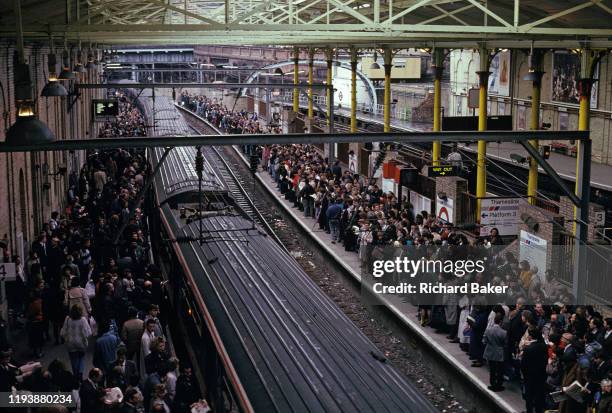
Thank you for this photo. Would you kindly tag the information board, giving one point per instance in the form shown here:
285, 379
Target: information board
500, 213
105, 108
533, 249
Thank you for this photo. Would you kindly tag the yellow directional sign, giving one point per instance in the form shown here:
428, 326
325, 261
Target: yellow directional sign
435, 171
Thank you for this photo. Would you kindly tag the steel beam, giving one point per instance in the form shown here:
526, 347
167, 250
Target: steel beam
179, 85
298, 138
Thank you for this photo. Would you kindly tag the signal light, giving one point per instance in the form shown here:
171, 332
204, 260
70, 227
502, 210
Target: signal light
546, 151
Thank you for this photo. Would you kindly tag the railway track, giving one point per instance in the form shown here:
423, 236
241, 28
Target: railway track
414, 357
227, 166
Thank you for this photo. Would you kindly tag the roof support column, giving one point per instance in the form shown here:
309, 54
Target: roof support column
438, 59
311, 53
329, 55
296, 79
588, 60
481, 164
536, 74
353, 90
388, 65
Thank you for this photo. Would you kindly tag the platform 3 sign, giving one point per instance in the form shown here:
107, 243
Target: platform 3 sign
441, 171
500, 213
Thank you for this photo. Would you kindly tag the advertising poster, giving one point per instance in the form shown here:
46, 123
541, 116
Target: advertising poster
563, 121
499, 79
522, 118
565, 76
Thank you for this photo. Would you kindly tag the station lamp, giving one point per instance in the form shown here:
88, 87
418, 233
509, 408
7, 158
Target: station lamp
375, 64
53, 87
27, 129
91, 64
66, 73
78, 66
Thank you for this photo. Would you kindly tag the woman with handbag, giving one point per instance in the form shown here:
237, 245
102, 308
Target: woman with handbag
75, 333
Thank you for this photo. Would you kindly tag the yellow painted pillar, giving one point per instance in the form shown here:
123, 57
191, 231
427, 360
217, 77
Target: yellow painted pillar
388, 64
481, 163
588, 60
532, 182
353, 90
330, 56
438, 63
296, 79
310, 81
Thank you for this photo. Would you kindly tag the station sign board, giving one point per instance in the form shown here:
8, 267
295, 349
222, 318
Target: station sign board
500, 213
104, 109
442, 171
534, 250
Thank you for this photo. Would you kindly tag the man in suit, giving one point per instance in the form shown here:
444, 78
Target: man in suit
91, 392
40, 248
128, 367
533, 367
495, 339
132, 399
131, 333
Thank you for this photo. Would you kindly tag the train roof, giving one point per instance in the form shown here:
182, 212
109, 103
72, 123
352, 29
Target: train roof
177, 175
292, 347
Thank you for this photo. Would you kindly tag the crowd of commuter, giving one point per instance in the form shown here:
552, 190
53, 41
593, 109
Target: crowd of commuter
536, 338
88, 288
545, 346
128, 122
230, 121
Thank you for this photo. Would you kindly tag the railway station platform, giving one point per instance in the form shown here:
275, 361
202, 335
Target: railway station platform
509, 400
565, 165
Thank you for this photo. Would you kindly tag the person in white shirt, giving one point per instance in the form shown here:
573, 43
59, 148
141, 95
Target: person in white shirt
145, 344
171, 377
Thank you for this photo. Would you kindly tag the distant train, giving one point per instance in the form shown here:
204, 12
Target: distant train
263, 336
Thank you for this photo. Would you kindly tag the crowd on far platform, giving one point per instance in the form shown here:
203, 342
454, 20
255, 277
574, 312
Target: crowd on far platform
235, 122
535, 338
557, 353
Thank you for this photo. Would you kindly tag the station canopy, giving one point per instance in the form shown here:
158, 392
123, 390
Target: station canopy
400, 23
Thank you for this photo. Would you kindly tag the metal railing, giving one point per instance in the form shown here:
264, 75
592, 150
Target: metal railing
397, 112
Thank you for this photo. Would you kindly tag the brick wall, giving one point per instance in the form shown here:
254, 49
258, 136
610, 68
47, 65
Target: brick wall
26, 204
454, 187
566, 209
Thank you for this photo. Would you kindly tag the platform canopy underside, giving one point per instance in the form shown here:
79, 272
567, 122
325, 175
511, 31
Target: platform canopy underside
338, 23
